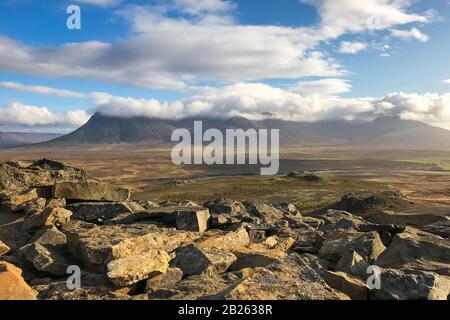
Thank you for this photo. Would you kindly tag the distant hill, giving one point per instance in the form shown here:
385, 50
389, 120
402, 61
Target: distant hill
389, 132
13, 139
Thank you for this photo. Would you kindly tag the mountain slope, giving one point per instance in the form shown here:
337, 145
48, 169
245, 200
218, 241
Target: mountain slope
390, 132
102, 129
13, 139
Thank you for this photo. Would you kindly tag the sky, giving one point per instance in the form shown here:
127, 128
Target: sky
301, 60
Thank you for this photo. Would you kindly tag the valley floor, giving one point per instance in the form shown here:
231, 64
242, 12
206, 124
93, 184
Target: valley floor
423, 176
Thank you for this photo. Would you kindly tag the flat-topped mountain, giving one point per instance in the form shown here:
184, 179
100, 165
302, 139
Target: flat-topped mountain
391, 132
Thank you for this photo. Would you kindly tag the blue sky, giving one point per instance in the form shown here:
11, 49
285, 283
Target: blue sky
305, 60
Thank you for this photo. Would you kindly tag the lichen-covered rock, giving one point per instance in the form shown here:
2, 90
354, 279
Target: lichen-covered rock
198, 287
265, 212
170, 278
361, 201
42, 173
308, 241
353, 287
17, 201
98, 245
338, 243
194, 220
289, 279
353, 264
90, 191
193, 260
408, 284
56, 203
35, 206
225, 241
417, 250
225, 206
50, 216
3, 248
49, 235
129, 270
46, 258
12, 285
101, 211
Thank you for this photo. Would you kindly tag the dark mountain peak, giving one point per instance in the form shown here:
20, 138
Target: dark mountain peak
382, 132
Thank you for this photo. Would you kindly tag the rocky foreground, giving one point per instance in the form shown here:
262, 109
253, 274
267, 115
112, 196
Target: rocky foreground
223, 249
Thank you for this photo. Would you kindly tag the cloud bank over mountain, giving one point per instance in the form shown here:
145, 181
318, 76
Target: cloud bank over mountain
255, 101
222, 67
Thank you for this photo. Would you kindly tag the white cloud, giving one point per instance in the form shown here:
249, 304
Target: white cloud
42, 90
352, 47
447, 81
257, 100
414, 33
100, 3
213, 47
307, 101
352, 16
197, 7
323, 87
19, 114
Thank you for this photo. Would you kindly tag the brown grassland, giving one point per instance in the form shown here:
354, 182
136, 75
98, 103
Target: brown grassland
422, 176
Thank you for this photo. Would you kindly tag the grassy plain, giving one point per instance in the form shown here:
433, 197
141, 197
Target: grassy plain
423, 176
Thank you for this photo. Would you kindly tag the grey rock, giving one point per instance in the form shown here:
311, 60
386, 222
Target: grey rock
193, 260
90, 191
193, 220
407, 284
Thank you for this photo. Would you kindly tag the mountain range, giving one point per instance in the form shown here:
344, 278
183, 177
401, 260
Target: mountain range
15, 139
388, 132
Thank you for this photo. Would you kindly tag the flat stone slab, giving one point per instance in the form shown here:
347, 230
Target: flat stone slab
98, 245
90, 191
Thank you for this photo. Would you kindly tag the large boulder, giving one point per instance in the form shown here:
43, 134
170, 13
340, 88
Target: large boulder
353, 264
193, 260
308, 241
265, 212
408, 284
417, 250
198, 287
193, 220
337, 219
225, 206
42, 173
50, 216
289, 279
98, 245
46, 258
224, 240
49, 235
338, 243
16, 201
12, 285
101, 211
129, 270
170, 278
405, 218
90, 191
35, 206
362, 201
353, 287
184, 218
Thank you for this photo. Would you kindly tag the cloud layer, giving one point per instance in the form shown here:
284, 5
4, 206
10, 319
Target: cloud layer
214, 47
21, 115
